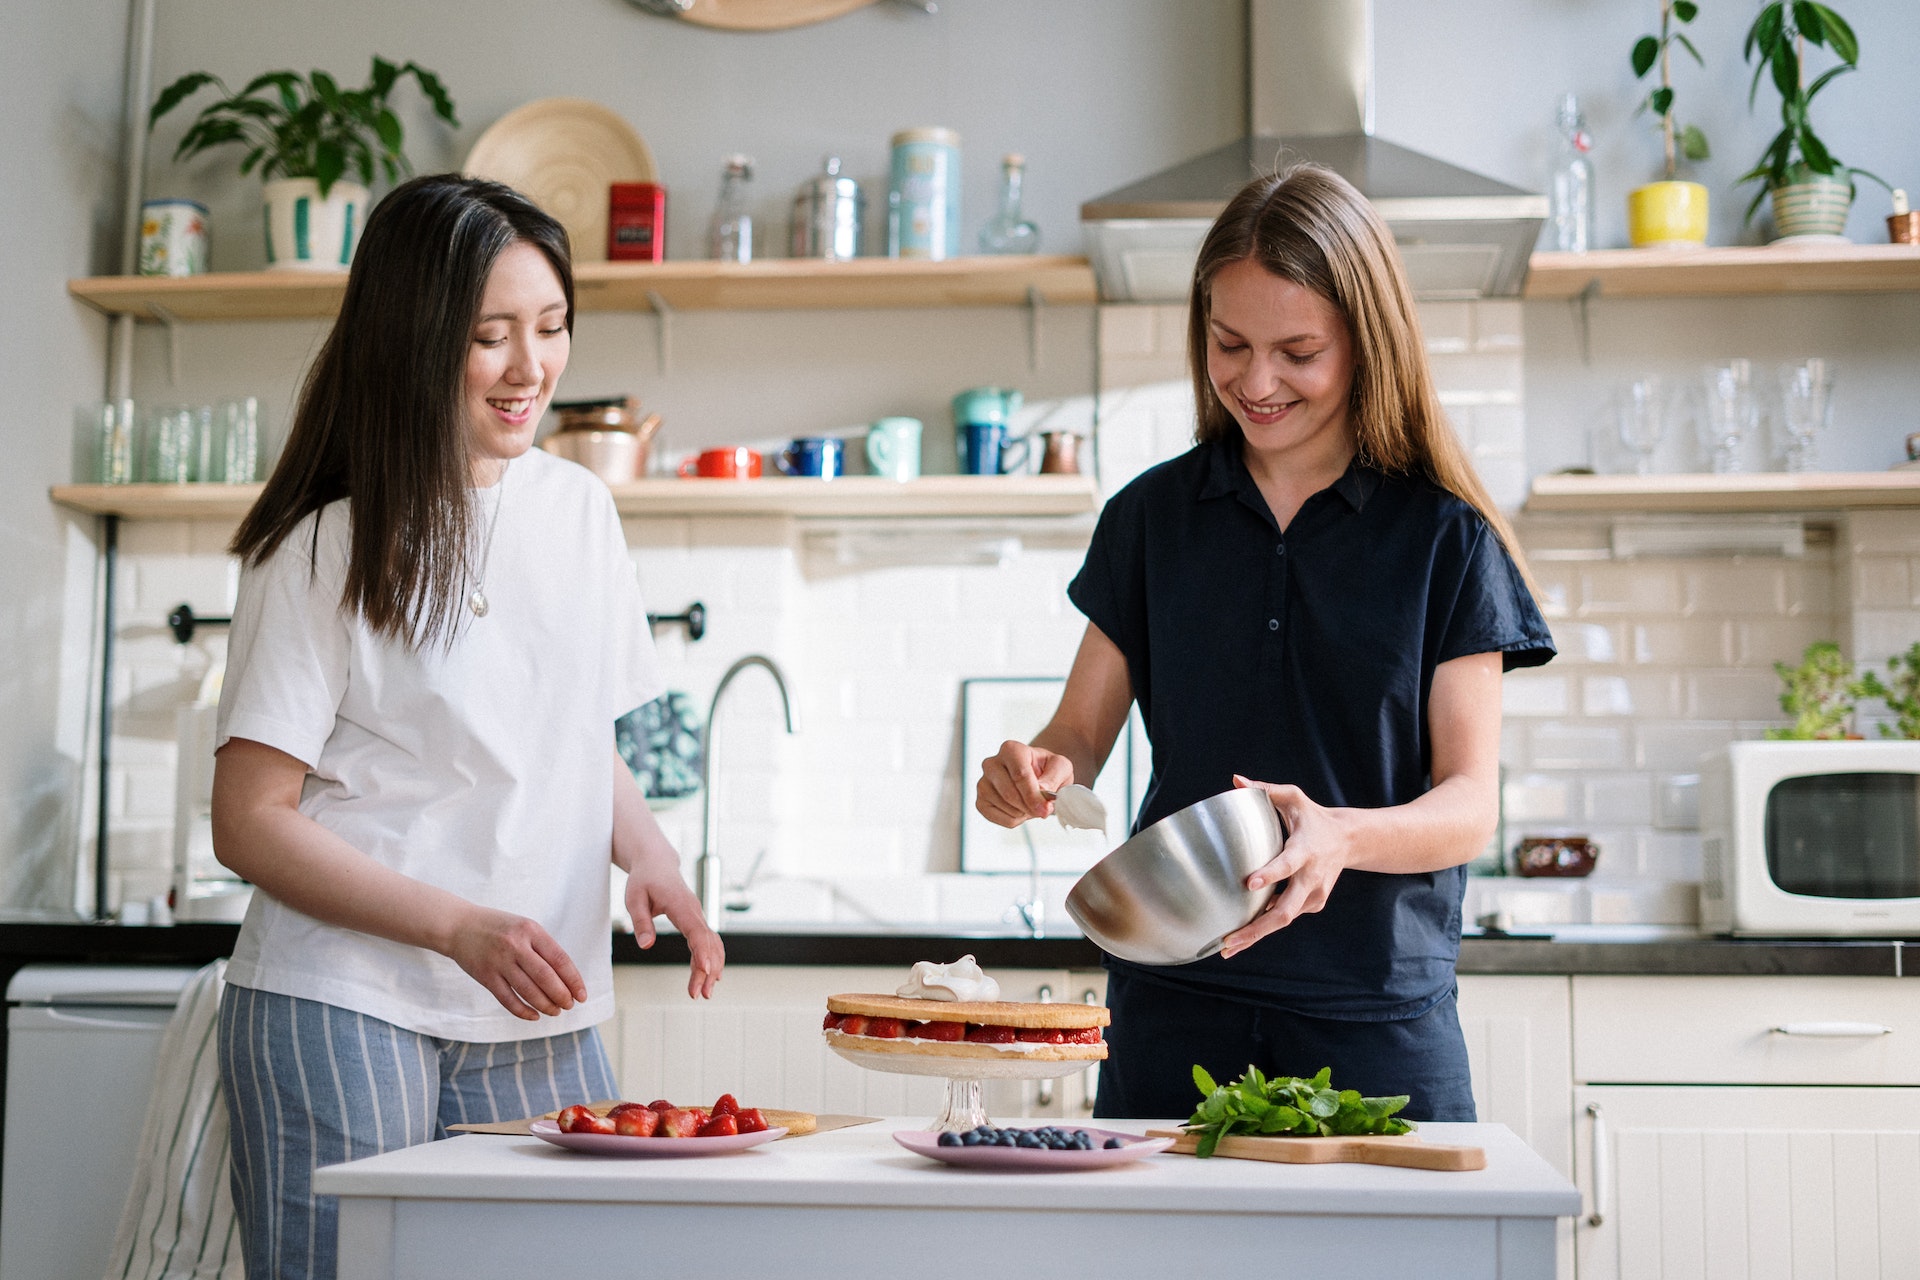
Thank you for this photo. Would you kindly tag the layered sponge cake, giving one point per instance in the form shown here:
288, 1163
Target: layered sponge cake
931, 1025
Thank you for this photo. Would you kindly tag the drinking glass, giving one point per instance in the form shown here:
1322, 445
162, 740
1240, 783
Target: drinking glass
104, 432
177, 444
1644, 410
1806, 406
236, 441
1731, 413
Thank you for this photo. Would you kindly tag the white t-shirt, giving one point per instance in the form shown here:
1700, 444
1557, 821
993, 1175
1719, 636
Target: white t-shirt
484, 768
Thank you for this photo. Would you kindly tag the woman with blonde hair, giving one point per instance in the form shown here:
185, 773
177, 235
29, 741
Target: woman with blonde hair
1319, 595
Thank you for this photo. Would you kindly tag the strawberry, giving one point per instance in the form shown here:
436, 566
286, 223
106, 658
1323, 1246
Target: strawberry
853, 1024
726, 1106
990, 1035
1086, 1035
886, 1028
719, 1127
635, 1122
1041, 1035
569, 1119
613, 1112
942, 1031
832, 1022
751, 1121
680, 1122
595, 1124
660, 1104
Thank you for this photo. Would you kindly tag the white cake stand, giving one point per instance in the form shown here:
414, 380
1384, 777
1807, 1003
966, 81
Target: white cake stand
964, 1106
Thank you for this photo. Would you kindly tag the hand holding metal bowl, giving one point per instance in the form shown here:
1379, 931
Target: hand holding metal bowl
1170, 894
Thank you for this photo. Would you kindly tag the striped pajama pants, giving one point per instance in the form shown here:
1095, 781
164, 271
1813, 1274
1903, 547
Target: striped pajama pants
310, 1084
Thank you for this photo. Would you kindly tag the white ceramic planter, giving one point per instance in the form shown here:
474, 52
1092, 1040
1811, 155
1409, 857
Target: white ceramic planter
307, 233
1817, 207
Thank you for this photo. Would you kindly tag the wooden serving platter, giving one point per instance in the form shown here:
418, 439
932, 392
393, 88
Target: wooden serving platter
1406, 1151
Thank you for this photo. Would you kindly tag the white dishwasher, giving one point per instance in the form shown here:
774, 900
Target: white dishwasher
81, 1046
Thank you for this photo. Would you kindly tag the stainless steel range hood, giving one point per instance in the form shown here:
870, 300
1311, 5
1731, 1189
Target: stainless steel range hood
1310, 68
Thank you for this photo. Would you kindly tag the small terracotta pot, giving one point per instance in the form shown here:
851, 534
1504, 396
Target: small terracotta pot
1564, 856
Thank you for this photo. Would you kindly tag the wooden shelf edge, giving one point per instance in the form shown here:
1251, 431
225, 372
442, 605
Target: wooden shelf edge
1763, 492
843, 498
772, 285
1745, 270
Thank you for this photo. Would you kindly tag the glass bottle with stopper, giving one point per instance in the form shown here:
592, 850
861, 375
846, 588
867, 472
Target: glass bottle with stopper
1006, 231
731, 237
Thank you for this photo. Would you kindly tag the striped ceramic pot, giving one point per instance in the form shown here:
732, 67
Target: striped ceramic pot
1816, 207
305, 232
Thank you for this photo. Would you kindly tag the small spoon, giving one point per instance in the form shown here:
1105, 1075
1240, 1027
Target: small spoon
1077, 806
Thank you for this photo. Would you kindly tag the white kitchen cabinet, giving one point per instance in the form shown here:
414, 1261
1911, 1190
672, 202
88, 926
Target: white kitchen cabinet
1748, 1182
1747, 1127
759, 1038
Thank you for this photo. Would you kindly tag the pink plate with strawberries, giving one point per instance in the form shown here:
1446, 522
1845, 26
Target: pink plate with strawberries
614, 1144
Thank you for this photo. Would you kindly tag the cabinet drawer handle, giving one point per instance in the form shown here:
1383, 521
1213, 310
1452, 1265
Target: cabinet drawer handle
1833, 1030
1601, 1171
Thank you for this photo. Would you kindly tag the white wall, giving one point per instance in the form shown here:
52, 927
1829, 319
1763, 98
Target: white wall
61, 68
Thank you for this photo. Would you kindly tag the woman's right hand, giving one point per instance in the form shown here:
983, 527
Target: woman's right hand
1012, 780
519, 962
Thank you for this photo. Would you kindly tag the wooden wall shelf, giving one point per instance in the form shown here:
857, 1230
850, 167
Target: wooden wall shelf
1763, 492
1768, 269
848, 496
781, 284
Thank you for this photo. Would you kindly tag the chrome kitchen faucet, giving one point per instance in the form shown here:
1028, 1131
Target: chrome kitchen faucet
707, 877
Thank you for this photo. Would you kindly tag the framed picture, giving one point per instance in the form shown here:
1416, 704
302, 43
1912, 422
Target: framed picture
997, 709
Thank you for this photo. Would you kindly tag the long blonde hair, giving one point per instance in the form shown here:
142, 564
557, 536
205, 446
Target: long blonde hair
1309, 225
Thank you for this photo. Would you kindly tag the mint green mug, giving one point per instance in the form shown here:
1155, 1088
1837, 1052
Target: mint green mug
893, 448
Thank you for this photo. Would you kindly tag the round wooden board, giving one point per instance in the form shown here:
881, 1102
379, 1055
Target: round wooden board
767, 15
563, 153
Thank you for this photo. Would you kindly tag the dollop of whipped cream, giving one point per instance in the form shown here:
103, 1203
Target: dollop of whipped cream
961, 980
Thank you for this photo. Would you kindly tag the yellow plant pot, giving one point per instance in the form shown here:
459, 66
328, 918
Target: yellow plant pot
1664, 215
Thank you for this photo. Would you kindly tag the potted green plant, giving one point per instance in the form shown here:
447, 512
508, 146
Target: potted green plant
1901, 693
305, 134
1810, 187
1820, 695
1669, 212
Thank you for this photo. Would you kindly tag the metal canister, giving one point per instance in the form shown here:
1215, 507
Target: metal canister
923, 196
829, 213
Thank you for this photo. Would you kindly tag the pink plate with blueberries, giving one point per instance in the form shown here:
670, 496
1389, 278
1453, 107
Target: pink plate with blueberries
614, 1144
926, 1142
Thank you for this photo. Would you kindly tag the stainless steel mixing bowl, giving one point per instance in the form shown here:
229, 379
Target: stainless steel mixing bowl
1171, 893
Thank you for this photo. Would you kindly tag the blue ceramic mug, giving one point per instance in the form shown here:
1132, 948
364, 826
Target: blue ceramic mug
985, 449
822, 456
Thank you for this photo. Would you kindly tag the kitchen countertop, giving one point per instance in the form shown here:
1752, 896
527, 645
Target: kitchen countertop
1574, 951
852, 1202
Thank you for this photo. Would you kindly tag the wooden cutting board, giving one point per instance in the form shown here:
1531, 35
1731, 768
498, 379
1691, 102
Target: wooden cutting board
1406, 1151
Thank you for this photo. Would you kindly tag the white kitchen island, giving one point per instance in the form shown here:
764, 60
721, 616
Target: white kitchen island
852, 1203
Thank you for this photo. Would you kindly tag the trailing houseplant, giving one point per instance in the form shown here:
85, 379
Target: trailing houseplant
1900, 691
1669, 212
1820, 695
1811, 188
305, 134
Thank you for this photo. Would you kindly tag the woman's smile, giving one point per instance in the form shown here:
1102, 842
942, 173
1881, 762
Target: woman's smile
1280, 358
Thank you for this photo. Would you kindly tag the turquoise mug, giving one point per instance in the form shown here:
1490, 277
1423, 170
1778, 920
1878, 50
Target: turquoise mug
893, 448
985, 404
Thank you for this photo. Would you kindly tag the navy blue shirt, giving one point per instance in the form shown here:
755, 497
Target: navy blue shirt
1306, 658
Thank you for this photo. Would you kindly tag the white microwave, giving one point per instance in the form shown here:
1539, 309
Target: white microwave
1811, 839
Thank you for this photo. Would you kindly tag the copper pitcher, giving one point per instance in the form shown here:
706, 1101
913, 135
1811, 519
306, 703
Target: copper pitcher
1061, 453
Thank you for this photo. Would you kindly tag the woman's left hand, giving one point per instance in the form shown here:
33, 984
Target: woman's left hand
1317, 849
666, 894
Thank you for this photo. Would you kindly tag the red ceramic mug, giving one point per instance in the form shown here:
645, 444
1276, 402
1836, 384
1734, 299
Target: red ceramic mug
737, 463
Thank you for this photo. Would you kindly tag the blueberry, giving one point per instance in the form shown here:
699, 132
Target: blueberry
971, 1138
1113, 1144
950, 1139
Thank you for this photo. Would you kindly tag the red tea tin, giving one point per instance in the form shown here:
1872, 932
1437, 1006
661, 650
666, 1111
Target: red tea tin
636, 222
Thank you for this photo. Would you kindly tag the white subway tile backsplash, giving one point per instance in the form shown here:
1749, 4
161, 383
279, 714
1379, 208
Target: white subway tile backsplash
1447, 327
1694, 643
1170, 329
1676, 746
1559, 745
1126, 331
1631, 694
1642, 590
1882, 582
1624, 800
1731, 695
1581, 643
1763, 643
1882, 532
1498, 325
1534, 797
1530, 694
1736, 588
1878, 634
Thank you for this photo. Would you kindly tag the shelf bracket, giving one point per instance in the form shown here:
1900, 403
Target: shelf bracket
1582, 322
172, 323
1035, 301
663, 331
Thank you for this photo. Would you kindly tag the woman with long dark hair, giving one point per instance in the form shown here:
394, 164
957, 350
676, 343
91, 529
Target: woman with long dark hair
1320, 595
436, 628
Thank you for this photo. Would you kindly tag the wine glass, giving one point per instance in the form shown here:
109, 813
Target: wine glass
1806, 405
1644, 410
1731, 413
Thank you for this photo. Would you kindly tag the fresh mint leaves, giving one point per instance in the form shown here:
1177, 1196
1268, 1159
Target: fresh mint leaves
1288, 1105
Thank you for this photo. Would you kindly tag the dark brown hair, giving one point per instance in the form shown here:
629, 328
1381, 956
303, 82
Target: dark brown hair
380, 419
1309, 225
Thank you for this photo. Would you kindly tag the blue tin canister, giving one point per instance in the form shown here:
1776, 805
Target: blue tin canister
923, 195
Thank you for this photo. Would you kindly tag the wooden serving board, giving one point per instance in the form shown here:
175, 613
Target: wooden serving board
1405, 1151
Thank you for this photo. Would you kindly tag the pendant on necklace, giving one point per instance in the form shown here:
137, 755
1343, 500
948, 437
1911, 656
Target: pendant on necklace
478, 603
